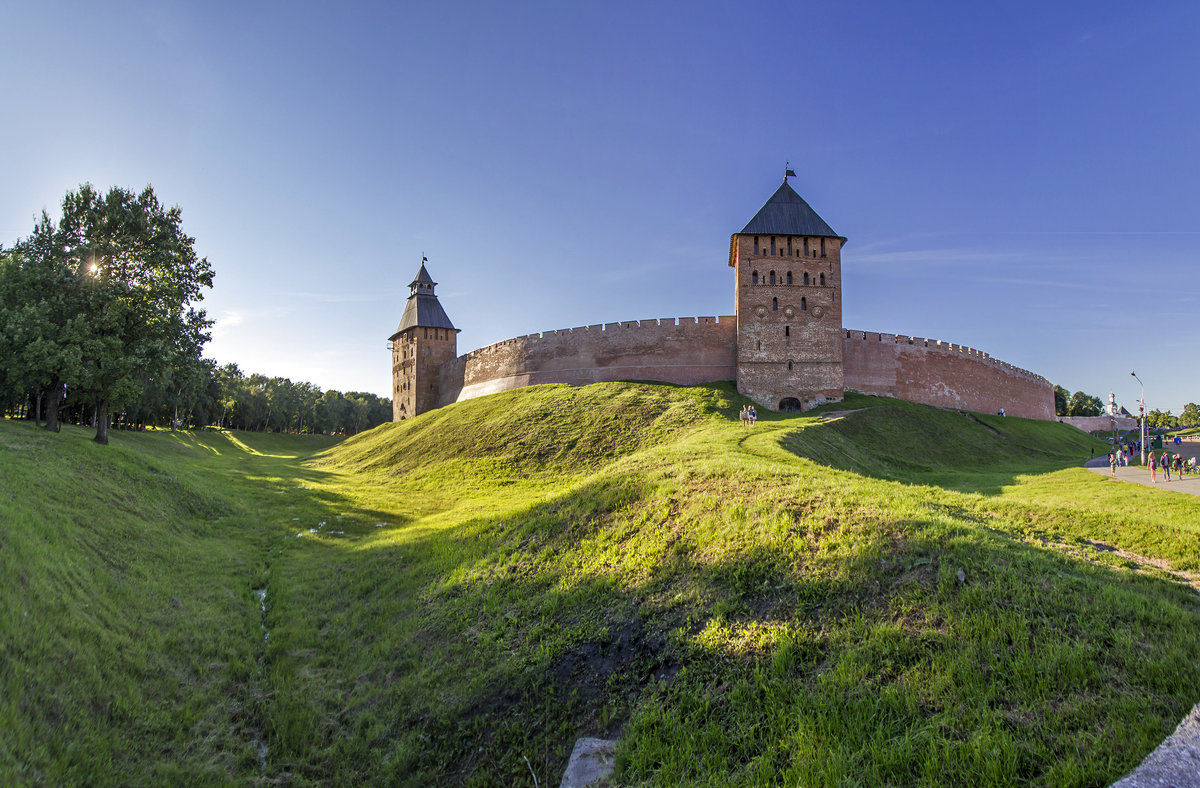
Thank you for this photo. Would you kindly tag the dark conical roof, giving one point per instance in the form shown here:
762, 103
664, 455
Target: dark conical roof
423, 309
422, 277
786, 213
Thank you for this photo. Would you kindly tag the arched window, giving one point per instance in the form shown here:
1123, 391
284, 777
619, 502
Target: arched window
803, 304
789, 277
789, 366
772, 277
822, 247
772, 244
806, 277
789, 246
756, 244
822, 280
774, 304
806, 247
754, 278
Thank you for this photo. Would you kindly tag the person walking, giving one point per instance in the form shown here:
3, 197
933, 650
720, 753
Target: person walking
1112, 463
753, 413
744, 416
1153, 468
1165, 462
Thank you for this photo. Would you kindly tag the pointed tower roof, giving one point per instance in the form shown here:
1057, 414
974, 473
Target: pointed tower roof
786, 213
423, 309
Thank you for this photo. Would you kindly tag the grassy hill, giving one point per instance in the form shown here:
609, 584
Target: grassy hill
452, 600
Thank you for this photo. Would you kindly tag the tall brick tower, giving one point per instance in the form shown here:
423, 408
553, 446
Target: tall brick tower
424, 341
788, 301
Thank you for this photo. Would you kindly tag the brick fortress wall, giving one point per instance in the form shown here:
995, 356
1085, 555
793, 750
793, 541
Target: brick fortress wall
942, 374
683, 351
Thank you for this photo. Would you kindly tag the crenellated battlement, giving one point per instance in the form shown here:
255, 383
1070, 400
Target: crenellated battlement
582, 333
785, 348
946, 347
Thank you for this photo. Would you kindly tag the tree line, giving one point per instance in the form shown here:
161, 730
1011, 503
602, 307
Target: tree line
100, 325
1081, 404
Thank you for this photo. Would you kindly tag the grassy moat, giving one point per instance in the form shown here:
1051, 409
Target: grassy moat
453, 600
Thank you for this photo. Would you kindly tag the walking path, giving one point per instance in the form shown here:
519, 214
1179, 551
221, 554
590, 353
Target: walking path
1190, 483
1175, 762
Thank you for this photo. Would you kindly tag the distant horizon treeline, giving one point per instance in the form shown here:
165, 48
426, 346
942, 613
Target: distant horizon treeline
222, 396
100, 324
1081, 404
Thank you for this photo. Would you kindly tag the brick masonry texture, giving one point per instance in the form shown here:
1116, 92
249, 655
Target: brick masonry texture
785, 348
942, 374
684, 350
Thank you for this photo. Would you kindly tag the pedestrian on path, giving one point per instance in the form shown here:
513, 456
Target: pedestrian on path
1112, 463
1165, 462
1153, 468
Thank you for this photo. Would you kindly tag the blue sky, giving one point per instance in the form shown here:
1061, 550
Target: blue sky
1017, 177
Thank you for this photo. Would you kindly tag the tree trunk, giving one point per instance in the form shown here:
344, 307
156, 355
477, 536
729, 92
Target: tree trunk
102, 422
37, 411
54, 398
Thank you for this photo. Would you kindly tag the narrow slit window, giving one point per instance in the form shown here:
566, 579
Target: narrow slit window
806, 277
822, 280
772, 277
756, 244
789, 277
822, 247
774, 304
789, 246
754, 278
803, 304
806, 246
787, 331
772, 245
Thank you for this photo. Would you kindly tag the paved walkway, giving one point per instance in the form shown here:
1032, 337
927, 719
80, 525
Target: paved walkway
1190, 483
1176, 762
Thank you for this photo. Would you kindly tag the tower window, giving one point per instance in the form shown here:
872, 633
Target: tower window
806, 277
789, 246
774, 304
787, 331
760, 344
772, 277
756, 244
772, 244
822, 247
803, 304
789, 277
806, 246
754, 278
822, 280
789, 366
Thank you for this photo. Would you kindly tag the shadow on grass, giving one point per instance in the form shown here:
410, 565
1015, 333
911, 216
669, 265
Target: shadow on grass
478, 652
915, 444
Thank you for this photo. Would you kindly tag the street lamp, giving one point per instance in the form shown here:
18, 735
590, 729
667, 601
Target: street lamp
1142, 415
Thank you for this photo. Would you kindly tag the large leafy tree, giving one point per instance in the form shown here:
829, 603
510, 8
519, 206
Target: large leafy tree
1061, 398
1190, 417
132, 274
1084, 405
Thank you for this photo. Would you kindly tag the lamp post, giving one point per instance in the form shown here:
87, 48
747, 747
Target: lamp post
1142, 414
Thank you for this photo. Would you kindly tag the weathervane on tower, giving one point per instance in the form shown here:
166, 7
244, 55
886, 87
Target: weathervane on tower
788, 172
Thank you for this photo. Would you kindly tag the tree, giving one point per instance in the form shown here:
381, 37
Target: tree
1084, 405
1061, 396
134, 277
43, 324
1190, 417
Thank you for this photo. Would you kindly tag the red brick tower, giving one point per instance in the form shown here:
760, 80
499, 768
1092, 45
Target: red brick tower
424, 341
788, 301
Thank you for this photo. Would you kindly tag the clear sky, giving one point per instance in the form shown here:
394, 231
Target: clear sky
1017, 177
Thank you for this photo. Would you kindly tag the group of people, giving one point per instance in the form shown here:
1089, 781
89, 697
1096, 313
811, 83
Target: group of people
749, 415
1119, 457
1168, 462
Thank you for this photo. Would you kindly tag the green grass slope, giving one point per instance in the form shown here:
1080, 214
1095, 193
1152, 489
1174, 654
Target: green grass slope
452, 600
